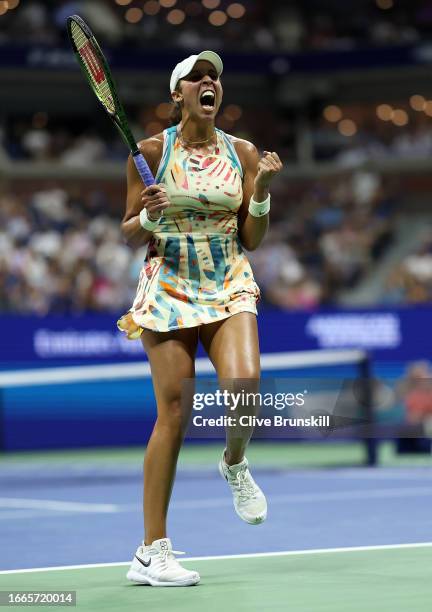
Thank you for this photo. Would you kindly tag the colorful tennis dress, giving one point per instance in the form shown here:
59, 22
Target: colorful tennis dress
195, 270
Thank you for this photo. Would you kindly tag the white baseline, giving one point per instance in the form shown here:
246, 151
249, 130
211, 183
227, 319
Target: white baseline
283, 553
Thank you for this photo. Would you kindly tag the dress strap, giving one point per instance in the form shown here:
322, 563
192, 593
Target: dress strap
169, 139
232, 153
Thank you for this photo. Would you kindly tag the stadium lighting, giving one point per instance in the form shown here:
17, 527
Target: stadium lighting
167, 3
233, 112
151, 7
417, 103
236, 10
218, 18
400, 117
210, 4
176, 17
347, 127
133, 15
123, 2
163, 110
332, 113
384, 112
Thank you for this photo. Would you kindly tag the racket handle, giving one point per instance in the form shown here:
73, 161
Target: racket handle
143, 169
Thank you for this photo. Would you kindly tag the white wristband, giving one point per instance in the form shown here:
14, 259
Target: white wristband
147, 223
258, 209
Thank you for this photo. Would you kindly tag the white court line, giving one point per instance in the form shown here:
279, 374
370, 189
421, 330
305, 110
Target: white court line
314, 497
212, 502
52, 504
284, 553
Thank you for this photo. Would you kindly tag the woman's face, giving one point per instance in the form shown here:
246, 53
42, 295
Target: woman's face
200, 91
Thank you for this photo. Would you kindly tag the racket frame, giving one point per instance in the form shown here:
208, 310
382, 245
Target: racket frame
118, 116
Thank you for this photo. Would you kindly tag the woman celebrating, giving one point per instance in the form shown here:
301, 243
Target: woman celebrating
212, 198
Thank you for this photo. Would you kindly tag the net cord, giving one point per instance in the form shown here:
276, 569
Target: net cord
274, 361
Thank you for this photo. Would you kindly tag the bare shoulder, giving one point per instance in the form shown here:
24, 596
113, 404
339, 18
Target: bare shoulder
152, 147
243, 145
246, 150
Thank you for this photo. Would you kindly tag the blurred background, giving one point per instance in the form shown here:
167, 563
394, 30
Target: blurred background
342, 91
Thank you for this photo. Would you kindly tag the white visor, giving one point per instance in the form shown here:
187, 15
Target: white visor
183, 68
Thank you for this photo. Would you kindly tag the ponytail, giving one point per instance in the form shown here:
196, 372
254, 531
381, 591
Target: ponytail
175, 114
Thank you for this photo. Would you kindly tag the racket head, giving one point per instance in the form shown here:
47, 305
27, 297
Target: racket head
96, 69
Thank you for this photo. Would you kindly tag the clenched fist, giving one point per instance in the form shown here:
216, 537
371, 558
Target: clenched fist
268, 166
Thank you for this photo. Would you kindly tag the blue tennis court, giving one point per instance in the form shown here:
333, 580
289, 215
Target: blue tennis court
82, 510
369, 526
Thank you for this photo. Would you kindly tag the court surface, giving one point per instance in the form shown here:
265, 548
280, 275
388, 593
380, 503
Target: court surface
338, 537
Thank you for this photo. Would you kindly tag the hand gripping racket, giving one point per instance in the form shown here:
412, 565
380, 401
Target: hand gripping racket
98, 74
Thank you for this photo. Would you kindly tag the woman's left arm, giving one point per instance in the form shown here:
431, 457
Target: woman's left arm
257, 174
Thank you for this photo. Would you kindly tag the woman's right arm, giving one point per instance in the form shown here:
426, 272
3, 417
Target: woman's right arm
139, 196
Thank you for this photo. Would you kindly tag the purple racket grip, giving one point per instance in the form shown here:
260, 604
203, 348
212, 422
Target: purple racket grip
143, 169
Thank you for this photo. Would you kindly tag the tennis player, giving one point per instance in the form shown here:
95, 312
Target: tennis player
211, 199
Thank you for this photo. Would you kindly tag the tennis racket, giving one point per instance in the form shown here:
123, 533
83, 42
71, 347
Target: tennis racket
95, 67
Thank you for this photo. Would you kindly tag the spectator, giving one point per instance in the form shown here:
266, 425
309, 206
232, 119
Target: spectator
411, 281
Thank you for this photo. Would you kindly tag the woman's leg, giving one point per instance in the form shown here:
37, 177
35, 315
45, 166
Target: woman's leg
233, 347
171, 356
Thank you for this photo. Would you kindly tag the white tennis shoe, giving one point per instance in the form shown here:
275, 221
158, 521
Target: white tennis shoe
156, 565
249, 501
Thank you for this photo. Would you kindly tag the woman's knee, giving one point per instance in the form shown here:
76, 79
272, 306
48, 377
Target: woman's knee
172, 416
240, 381
246, 371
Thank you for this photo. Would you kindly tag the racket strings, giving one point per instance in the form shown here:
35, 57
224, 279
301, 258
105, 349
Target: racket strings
93, 67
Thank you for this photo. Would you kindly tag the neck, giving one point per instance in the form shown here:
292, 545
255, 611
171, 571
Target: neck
196, 132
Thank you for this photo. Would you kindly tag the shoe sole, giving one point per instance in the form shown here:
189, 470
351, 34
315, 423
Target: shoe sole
255, 521
137, 577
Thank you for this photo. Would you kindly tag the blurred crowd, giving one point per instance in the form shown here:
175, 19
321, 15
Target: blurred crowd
36, 139
325, 238
281, 25
374, 142
276, 26
61, 249
411, 280
82, 140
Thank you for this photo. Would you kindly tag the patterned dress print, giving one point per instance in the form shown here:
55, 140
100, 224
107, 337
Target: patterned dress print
195, 271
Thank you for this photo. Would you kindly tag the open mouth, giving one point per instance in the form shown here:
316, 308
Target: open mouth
207, 99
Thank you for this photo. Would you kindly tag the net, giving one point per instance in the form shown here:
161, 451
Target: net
93, 67
114, 405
